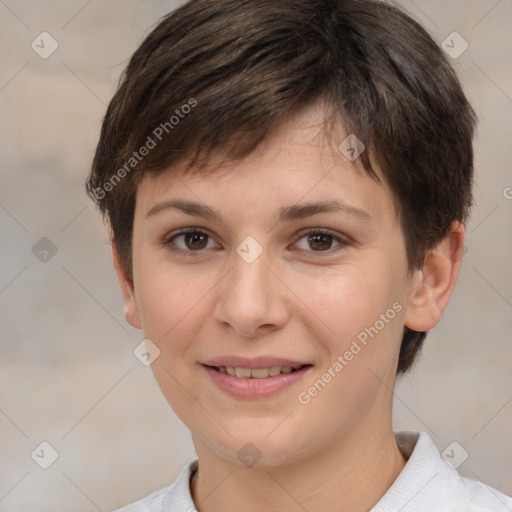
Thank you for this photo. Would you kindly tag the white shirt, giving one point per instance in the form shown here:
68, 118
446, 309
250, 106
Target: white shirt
426, 484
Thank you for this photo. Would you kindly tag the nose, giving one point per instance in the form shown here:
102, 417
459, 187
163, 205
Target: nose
252, 300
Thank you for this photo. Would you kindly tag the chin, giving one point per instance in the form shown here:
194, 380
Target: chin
256, 448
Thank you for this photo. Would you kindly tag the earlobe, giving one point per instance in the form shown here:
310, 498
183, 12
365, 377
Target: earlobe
127, 289
434, 283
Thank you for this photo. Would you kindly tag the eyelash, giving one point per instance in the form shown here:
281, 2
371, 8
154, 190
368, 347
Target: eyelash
168, 241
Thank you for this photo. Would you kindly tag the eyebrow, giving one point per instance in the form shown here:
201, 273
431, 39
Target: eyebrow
286, 213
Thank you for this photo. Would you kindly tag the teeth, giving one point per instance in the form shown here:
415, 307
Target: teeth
260, 373
242, 372
274, 370
256, 373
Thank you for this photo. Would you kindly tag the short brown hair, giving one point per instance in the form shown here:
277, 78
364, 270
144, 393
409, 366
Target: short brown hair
241, 66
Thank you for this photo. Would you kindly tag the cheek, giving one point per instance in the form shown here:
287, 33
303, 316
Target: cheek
172, 308
172, 302
361, 313
349, 299
366, 316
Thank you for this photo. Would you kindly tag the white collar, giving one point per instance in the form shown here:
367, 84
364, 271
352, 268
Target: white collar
426, 484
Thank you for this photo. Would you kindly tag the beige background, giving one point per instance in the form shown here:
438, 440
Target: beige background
67, 372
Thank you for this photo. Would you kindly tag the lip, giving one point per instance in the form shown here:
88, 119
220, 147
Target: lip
254, 362
252, 388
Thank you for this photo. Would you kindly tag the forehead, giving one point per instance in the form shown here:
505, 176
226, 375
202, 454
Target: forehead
298, 163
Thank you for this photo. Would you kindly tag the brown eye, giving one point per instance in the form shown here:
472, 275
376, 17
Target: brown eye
190, 241
320, 241
195, 240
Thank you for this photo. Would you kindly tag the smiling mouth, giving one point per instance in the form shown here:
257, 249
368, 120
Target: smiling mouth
257, 373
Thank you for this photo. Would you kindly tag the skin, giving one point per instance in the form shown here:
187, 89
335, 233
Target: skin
296, 301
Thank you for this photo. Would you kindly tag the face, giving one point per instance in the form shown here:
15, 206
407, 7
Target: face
239, 272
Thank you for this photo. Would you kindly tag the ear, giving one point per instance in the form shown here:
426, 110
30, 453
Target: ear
434, 283
131, 307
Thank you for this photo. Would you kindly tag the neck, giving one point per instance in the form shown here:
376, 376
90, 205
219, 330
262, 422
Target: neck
350, 476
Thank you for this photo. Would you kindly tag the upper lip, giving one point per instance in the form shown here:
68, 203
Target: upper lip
254, 362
